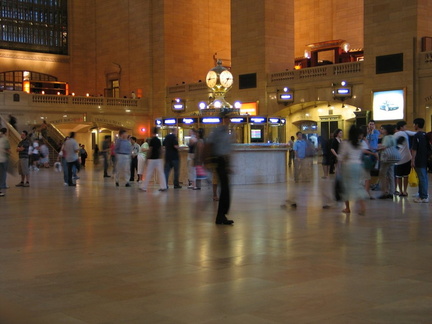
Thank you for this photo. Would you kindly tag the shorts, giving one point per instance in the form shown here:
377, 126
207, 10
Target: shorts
23, 166
35, 157
403, 170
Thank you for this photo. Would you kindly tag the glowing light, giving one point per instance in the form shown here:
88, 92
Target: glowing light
237, 104
202, 105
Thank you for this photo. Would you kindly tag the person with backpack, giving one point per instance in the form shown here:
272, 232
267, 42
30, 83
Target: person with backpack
420, 152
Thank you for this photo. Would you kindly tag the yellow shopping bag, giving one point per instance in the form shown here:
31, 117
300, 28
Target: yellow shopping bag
413, 178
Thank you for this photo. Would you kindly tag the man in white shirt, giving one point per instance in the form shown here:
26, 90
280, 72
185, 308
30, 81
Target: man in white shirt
403, 167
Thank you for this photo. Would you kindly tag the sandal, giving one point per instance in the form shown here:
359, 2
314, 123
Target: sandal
404, 194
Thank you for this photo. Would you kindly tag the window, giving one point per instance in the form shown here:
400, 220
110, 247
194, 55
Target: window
34, 25
13, 80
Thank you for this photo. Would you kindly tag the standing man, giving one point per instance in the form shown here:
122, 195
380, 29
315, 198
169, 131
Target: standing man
420, 153
172, 159
71, 150
134, 158
123, 151
154, 162
220, 142
23, 163
4, 159
403, 167
291, 151
372, 135
105, 152
300, 146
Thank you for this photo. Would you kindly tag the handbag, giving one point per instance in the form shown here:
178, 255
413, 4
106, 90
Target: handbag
369, 162
200, 172
413, 180
390, 155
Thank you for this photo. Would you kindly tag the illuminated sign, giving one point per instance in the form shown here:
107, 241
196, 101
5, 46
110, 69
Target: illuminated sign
210, 120
286, 96
158, 122
283, 121
258, 120
178, 104
389, 105
274, 120
170, 121
237, 120
343, 91
188, 121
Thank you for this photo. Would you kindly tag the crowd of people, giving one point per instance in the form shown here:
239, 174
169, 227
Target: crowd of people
368, 159
389, 155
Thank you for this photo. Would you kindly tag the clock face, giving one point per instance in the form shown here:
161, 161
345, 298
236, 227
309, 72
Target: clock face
211, 79
226, 79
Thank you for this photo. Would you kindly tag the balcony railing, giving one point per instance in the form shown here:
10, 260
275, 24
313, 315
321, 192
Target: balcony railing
318, 72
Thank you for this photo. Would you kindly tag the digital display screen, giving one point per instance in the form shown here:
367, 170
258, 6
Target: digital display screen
388, 105
188, 121
274, 120
158, 122
237, 120
256, 133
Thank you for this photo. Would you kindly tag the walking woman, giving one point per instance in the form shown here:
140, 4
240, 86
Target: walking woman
350, 157
335, 143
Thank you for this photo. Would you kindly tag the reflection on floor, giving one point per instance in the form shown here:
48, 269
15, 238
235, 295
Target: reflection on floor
101, 254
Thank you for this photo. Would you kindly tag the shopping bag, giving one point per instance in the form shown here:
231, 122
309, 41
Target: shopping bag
413, 178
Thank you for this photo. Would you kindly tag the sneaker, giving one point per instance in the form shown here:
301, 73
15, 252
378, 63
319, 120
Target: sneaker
142, 189
177, 187
127, 184
76, 178
65, 184
420, 200
2, 194
21, 184
26, 184
117, 184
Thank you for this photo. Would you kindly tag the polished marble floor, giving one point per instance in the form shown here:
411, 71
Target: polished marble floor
101, 254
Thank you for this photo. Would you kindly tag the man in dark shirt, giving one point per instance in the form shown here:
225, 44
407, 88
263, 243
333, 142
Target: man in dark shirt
106, 145
154, 162
172, 159
420, 152
23, 163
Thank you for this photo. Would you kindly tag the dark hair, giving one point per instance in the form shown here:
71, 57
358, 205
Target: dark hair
363, 130
133, 138
107, 136
72, 135
3, 130
121, 132
353, 135
389, 129
298, 133
25, 132
200, 132
419, 122
155, 130
400, 124
336, 132
371, 121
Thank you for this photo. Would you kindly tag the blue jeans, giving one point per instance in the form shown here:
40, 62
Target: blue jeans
176, 165
423, 182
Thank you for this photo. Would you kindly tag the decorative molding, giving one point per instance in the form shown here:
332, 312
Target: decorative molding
33, 57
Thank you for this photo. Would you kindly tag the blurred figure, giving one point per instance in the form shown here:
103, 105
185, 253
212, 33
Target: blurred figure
83, 155
191, 160
34, 159
291, 151
12, 121
386, 171
4, 159
71, 150
105, 154
44, 154
23, 163
334, 149
142, 156
134, 159
172, 159
220, 142
420, 151
123, 149
44, 129
299, 148
350, 158
154, 162
96, 155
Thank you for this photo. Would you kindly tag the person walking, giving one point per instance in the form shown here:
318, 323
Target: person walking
71, 150
172, 158
154, 163
123, 149
4, 159
105, 153
220, 142
23, 163
300, 146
